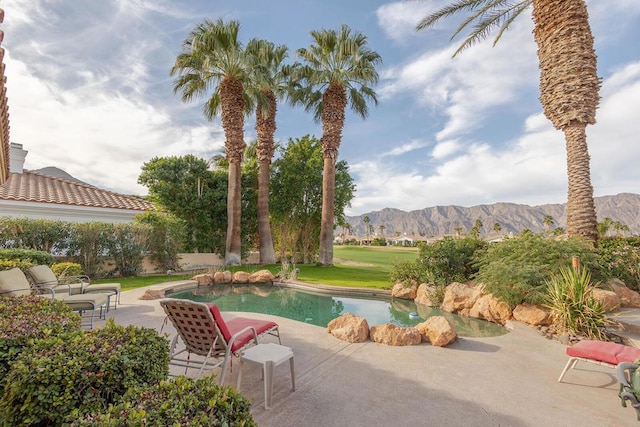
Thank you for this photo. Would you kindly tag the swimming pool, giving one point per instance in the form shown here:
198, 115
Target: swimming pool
320, 308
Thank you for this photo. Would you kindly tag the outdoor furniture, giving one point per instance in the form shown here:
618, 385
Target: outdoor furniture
14, 282
629, 385
602, 353
204, 332
43, 276
269, 356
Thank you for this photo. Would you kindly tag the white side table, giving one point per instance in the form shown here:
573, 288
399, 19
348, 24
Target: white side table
269, 356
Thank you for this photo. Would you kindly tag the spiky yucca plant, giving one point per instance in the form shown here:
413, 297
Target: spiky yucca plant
573, 307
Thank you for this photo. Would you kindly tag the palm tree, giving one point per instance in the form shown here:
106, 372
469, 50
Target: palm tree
569, 83
270, 82
366, 221
548, 221
497, 227
212, 57
339, 68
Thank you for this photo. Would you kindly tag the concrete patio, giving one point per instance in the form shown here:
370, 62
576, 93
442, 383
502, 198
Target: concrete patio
510, 380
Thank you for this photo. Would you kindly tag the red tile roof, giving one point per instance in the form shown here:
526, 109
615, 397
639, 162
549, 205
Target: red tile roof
35, 187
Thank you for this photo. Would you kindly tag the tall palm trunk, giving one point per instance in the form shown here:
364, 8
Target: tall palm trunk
569, 87
334, 102
232, 105
265, 128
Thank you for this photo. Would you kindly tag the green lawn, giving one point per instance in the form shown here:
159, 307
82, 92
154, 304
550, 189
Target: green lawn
354, 266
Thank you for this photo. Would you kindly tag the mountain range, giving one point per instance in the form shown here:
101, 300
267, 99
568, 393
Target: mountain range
513, 218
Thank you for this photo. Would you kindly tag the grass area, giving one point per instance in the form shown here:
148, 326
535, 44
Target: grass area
354, 266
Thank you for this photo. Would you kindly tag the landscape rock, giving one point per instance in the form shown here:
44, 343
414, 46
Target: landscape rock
222, 277
438, 331
394, 335
628, 297
203, 279
403, 291
349, 327
261, 276
489, 308
240, 277
460, 297
533, 315
424, 295
609, 299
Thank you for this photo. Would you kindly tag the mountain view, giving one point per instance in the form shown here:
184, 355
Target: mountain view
512, 218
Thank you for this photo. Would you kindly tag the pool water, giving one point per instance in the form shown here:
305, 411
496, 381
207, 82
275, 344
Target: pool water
319, 309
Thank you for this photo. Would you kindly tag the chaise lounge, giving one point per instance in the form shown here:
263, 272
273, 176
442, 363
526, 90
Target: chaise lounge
14, 282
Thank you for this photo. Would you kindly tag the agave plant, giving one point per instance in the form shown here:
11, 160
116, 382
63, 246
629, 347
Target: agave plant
573, 307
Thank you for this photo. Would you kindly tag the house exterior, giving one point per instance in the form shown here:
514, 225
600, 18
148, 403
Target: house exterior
4, 114
35, 195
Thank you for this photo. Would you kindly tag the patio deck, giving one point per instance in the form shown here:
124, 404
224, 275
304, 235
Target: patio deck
510, 380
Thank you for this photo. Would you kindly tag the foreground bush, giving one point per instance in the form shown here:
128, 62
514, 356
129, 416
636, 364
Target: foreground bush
66, 269
573, 308
620, 258
179, 402
81, 373
515, 270
25, 319
27, 257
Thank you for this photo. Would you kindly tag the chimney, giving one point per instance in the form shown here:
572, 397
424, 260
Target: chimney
16, 158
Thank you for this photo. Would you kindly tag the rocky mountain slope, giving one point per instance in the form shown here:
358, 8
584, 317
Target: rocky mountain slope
513, 218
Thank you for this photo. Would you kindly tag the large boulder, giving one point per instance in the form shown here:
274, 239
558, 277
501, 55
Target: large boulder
203, 279
261, 276
609, 299
533, 315
424, 295
240, 277
403, 291
390, 334
489, 308
628, 297
349, 327
438, 331
222, 277
460, 297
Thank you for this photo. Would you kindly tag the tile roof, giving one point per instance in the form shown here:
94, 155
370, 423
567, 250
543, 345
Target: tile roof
34, 187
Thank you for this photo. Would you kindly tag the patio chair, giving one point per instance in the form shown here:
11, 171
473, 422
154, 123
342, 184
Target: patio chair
14, 282
204, 332
629, 385
43, 276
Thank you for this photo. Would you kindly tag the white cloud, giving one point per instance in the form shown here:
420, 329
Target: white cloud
405, 148
398, 20
445, 149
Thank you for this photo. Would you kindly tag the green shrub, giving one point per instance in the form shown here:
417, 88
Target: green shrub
36, 257
450, 260
81, 373
620, 258
25, 319
66, 269
515, 269
573, 309
180, 401
22, 264
408, 273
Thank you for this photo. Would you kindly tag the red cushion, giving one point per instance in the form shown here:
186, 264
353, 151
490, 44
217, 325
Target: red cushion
604, 351
233, 326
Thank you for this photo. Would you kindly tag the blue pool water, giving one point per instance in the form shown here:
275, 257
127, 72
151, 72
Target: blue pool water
319, 309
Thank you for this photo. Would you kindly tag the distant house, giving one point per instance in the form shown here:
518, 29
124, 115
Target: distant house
38, 194
402, 241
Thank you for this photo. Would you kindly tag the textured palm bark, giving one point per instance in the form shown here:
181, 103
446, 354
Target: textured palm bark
334, 102
569, 87
265, 129
232, 105
581, 218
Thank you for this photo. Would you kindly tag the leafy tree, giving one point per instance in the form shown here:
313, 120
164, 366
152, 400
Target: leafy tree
569, 83
270, 82
296, 183
88, 245
213, 58
186, 187
339, 69
165, 238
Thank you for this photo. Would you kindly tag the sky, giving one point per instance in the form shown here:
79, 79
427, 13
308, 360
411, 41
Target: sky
90, 92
